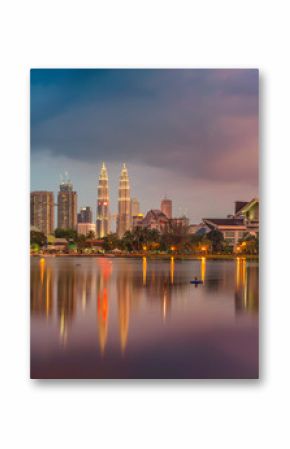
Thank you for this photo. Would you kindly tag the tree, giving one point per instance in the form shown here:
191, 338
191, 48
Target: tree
128, 241
111, 241
216, 238
176, 236
69, 234
91, 235
81, 242
38, 238
249, 244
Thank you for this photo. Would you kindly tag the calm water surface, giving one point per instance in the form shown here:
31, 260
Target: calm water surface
141, 318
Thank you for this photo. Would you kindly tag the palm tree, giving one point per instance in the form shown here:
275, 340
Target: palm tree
91, 235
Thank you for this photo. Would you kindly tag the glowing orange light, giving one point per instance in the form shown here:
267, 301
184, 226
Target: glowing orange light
244, 244
145, 248
172, 248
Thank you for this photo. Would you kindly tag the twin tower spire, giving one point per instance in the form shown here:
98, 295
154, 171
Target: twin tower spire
103, 214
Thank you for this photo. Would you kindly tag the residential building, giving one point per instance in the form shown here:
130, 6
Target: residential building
243, 222
232, 229
249, 212
85, 215
42, 211
66, 206
85, 228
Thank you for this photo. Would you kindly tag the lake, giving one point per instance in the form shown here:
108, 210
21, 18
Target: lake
120, 318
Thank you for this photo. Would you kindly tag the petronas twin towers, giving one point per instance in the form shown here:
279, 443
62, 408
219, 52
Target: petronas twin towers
103, 219
103, 214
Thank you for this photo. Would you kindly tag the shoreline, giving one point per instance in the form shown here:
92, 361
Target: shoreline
156, 256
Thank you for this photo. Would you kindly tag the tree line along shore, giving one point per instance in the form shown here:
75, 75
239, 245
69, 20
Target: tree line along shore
143, 242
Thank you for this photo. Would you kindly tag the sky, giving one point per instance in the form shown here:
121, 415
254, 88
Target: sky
190, 134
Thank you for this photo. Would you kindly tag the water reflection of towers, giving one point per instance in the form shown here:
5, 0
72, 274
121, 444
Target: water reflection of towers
61, 288
55, 292
66, 301
103, 276
42, 290
124, 297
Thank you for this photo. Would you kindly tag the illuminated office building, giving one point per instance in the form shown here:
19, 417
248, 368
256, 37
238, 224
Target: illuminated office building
103, 204
66, 206
124, 203
85, 215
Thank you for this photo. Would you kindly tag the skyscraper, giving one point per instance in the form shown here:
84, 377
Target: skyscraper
166, 207
134, 210
135, 207
66, 206
85, 215
103, 203
124, 219
42, 211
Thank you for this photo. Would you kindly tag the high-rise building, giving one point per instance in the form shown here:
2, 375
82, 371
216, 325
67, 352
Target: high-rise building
103, 203
166, 207
124, 204
66, 206
85, 215
86, 228
42, 211
137, 221
134, 209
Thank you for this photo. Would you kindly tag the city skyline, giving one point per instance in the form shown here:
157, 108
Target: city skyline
111, 217
106, 221
165, 165
189, 134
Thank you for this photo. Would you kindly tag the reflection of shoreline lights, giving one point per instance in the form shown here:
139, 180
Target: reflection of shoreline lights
238, 268
165, 300
84, 295
48, 298
144, 270
172, 270
124, 297
247, 286
202, 268
42, 269
62, 328
244, 281
241, 279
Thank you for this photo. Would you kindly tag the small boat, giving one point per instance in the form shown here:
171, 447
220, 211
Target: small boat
196, 282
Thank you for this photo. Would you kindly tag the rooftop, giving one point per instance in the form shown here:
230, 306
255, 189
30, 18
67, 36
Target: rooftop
224, 221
